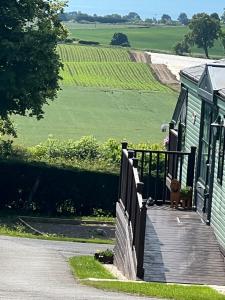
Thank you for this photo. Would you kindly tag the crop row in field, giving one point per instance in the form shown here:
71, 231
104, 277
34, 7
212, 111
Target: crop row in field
74, 53
128, 75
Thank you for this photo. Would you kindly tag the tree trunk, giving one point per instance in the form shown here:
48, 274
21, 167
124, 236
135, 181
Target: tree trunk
206, 51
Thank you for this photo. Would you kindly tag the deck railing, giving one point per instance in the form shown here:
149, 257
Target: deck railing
147, 174
157, 168
130, 196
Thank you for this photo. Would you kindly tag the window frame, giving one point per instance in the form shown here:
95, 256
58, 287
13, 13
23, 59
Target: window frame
221, 153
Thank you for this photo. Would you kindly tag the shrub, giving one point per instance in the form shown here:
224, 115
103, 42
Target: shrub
120, 39
111, 151
105, 256
87, 148
5, 148
82, 42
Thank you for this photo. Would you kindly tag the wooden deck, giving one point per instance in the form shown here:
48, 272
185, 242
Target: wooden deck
180, 248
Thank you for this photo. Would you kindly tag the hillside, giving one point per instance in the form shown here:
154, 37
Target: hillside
103, 94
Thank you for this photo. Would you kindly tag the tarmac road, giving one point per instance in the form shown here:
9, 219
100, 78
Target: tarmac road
38, 269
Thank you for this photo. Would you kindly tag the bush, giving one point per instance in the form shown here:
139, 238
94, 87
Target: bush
82, 42
86, 148
180, 48
111, 151
120, 39
105, 256
6, 148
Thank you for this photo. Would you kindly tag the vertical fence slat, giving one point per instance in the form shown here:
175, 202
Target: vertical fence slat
164, 177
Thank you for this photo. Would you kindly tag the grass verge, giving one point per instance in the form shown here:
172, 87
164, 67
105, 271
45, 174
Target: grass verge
86, 267
4, 230
159, 290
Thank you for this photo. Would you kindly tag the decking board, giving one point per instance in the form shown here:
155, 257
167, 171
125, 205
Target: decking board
180, 248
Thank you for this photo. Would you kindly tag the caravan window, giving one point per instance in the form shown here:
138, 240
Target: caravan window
221, 155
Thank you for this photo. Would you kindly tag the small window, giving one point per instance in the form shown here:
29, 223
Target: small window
221, 155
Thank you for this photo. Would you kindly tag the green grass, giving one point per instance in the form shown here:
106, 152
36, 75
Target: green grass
133, 115
161, 38
73, 53
87, 267
159, 290
128, 75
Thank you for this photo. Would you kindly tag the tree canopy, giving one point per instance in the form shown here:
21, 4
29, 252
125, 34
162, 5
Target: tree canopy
183, 19
204, 31
29, 63
120, 39
165, 19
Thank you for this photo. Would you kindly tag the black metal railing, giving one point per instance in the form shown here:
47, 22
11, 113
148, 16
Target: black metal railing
157, 168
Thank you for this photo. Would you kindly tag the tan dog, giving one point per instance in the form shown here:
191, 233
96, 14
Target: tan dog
174, 193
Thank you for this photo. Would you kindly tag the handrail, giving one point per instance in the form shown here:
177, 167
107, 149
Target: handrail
160, 151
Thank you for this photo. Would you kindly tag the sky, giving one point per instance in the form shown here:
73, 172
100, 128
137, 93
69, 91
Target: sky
147, 8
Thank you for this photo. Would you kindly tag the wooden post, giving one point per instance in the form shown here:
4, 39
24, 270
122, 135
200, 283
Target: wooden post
122, 171
124, 145
191, 167
141, 241
128, 180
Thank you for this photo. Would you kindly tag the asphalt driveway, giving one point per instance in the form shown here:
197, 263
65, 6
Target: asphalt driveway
36, 269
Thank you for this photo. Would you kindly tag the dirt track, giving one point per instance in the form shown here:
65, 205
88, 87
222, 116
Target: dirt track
161, 71
175, 63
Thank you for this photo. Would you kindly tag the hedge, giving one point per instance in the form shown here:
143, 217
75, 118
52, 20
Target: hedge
38, 187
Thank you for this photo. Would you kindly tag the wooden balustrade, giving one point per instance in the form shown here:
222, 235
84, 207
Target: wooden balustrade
130, 196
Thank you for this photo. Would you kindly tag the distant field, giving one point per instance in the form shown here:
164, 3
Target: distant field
134, 115
103, 94
134, 76
105, 67
157, 38
72, 53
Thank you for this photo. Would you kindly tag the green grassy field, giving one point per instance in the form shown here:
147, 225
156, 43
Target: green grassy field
105, 67
157, 38
136, 76
104, 113
103, 94
74, 53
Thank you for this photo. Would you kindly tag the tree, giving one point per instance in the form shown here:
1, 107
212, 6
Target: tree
149, 21
223, 16
215, 16
120, 39
184, 46
222, 38
204, 31
29, 63
133, 16
166, 19
183, 19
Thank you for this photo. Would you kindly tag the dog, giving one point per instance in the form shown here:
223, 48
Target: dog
174, 193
